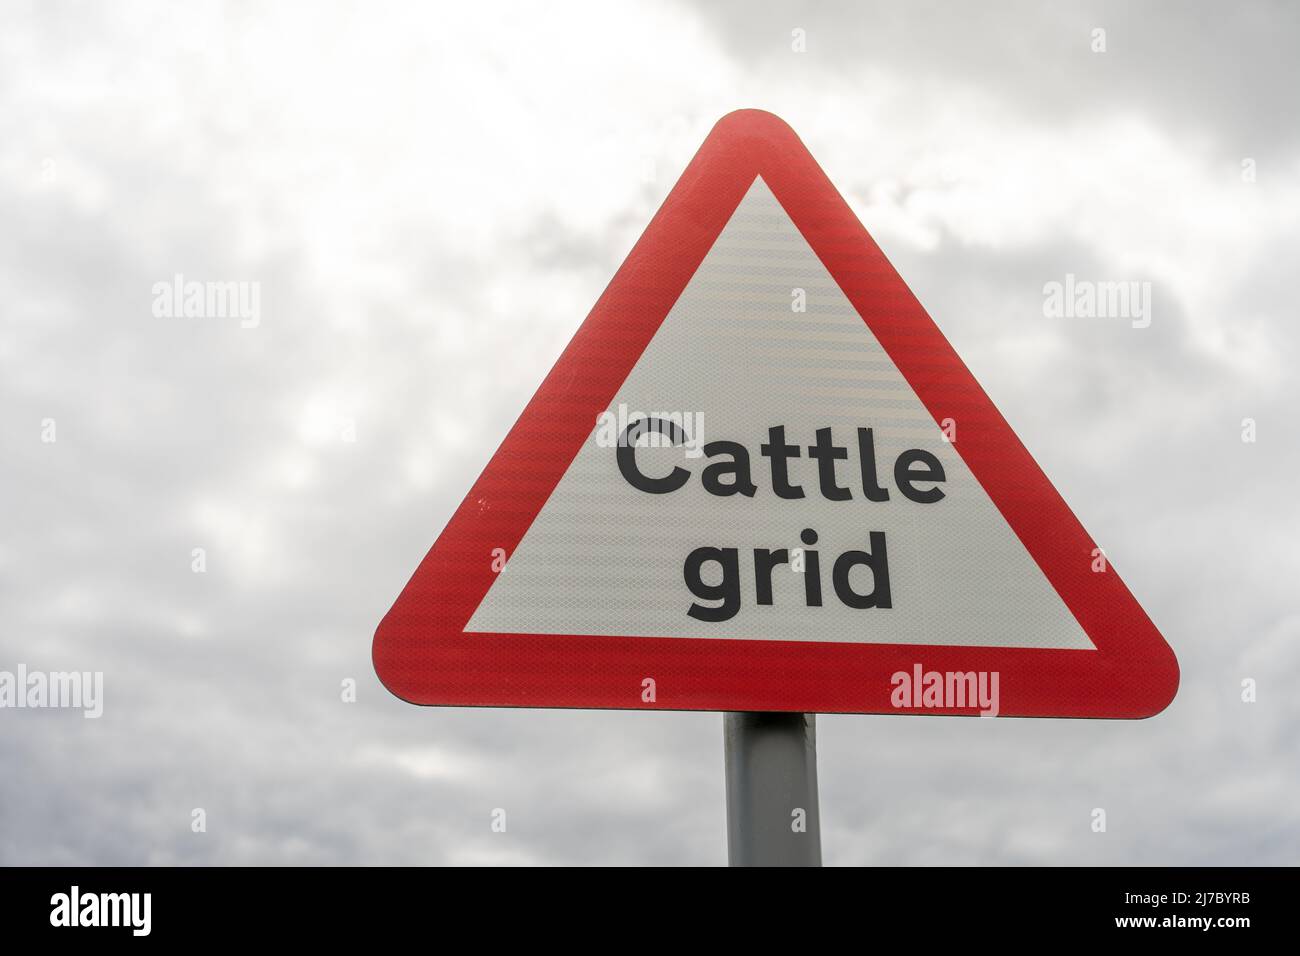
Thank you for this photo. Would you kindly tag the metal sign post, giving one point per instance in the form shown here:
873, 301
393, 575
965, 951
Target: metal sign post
772, 813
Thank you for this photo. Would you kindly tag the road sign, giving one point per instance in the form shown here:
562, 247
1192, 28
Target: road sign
760, 479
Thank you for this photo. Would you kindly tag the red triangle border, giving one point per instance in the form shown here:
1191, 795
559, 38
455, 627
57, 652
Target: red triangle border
422, 654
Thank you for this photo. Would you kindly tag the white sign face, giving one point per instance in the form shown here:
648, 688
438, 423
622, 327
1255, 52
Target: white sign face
780, 389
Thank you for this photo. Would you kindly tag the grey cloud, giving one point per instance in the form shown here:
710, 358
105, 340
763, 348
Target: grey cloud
1206, 68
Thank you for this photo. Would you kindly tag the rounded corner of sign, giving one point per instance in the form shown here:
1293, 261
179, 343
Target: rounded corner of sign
1161, 700
1164, 679
381, 659
1166, 676
751, 120
389, 682
381, 636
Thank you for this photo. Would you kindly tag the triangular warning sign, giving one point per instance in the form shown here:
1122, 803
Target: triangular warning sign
759, 478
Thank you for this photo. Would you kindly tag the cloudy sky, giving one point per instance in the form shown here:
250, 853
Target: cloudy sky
430, 201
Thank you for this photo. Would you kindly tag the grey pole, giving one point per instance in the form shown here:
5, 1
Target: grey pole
772, 815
